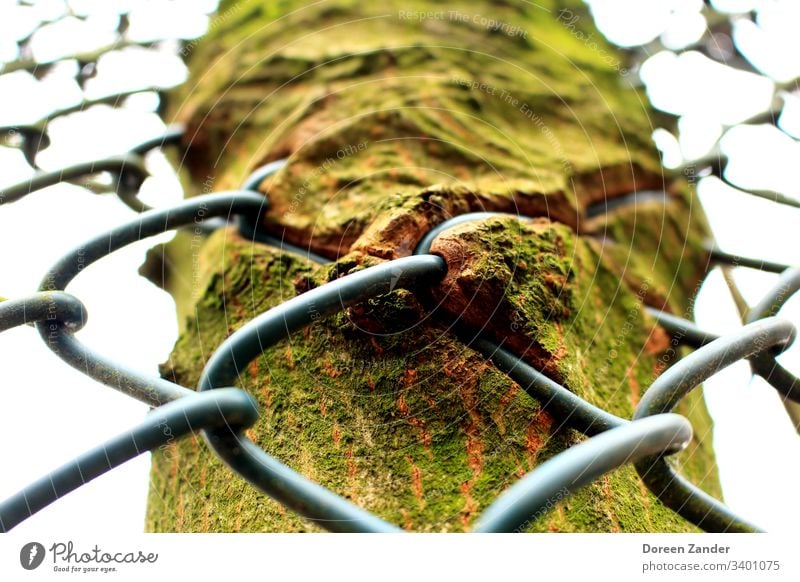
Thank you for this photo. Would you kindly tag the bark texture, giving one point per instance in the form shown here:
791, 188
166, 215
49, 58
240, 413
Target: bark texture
395, 116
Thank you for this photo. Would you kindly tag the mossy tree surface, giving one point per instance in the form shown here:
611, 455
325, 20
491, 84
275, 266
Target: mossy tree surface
395, 116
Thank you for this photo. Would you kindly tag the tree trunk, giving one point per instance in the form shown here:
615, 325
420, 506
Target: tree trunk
394, 116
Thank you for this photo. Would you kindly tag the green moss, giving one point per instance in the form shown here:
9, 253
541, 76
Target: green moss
372, 105
384, 139
562, 300
384, 407
662, 243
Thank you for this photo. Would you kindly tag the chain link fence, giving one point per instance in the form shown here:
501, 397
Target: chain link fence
222, 412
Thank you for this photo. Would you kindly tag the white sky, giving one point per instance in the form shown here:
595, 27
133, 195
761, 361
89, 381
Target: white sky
134, 322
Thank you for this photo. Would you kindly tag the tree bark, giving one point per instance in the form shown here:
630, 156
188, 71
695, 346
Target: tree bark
395, 116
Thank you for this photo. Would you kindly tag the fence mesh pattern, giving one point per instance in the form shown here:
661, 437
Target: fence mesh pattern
222, 412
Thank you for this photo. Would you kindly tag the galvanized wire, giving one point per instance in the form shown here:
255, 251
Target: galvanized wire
61, 339
33, 139
222, 412
538, 491
226, 408
222, 369
667, 390
308, 499
714, 352
59, 315
130, 168
52, 306
567, 407
764, 363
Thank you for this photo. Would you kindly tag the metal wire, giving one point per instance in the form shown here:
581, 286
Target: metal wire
223, 412
173, 135
253, 181
60, 315
128, 170
715, 163
751, 342
764, 363
569, 470
424, 245
58, 324
667, 390
245, 457
223, 409
565, 406
250, 229
688, 332
537, 492
129, 166
34, 138
61, 339
717, 255
52, 306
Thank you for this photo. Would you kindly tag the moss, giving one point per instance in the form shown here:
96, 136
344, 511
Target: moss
386, 136
373, 106
662, 243
559, 301
384, 407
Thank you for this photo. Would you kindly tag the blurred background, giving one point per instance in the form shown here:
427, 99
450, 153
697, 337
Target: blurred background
727, 74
